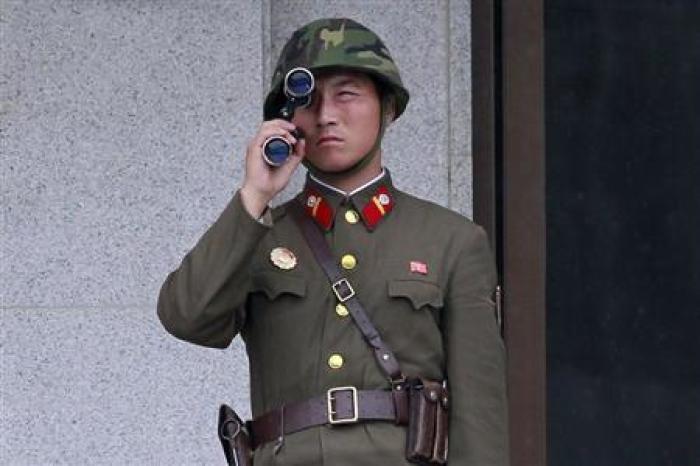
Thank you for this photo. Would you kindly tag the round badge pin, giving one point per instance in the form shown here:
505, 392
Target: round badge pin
283, 258
384, 199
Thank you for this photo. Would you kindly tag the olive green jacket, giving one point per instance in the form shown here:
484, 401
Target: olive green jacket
425, 276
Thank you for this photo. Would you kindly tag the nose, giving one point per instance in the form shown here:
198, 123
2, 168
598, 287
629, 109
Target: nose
326, 111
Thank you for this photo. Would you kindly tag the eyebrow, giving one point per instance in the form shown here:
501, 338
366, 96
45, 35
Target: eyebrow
345, 81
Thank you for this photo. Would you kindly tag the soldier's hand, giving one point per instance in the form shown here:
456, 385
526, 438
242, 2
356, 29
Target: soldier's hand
262, 182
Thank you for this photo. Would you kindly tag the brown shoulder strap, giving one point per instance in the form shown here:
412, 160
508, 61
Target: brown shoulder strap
345, 292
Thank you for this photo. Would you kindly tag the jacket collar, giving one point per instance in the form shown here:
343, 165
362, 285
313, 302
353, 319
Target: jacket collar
374, 201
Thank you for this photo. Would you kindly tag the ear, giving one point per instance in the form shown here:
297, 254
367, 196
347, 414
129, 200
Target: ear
389, 109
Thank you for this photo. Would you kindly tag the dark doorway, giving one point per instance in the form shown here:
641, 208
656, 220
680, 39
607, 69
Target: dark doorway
623, 222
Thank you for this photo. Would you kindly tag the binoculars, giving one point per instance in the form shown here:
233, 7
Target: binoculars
298, 86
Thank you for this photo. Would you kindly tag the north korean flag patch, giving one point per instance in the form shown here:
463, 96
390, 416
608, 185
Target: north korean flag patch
418, 267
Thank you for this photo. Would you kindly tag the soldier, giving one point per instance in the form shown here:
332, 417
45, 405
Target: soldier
424, 274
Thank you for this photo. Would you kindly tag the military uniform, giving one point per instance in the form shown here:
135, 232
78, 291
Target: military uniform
425, 276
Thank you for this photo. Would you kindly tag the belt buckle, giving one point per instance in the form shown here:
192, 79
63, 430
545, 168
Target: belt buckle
330, 396
343, 290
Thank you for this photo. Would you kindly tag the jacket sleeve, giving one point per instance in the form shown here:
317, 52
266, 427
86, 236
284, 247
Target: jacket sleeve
202, 301
478, 432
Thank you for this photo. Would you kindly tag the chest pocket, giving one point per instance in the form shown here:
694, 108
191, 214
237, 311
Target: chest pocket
420, 293
275, 285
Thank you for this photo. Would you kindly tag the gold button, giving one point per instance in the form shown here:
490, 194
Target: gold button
351, 216
348, 262
335, 361
341, 310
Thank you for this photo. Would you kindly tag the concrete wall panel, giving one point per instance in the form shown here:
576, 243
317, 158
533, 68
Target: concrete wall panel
460, 108
123, 128
108, 386
122, 120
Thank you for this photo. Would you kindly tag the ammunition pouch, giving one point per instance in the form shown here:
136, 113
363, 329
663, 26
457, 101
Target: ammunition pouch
426, 439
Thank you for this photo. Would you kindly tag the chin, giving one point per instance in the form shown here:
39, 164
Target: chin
331, 168
331, 163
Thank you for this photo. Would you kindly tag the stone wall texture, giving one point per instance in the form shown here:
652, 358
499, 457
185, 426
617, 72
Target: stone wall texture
123, 126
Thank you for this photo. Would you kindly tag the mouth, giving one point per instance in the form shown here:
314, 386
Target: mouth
328, 140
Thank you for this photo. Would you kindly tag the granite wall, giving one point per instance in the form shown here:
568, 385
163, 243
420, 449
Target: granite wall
123, 126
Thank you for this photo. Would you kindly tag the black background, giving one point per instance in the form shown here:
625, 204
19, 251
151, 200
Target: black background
623, 232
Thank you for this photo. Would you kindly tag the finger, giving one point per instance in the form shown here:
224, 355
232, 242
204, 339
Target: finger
282, 122
293, 162
277, 125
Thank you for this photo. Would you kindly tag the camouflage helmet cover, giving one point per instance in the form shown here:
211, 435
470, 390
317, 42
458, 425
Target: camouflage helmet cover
333, 43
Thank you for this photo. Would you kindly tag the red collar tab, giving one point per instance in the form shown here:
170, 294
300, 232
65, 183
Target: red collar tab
378, 207
318, 208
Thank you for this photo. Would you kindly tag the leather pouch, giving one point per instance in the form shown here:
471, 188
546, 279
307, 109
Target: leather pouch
426, 440
235, 438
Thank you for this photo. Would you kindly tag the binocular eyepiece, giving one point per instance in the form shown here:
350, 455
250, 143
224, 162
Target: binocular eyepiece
298, 87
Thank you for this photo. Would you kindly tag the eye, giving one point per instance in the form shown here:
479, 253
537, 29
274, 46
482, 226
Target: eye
347, 94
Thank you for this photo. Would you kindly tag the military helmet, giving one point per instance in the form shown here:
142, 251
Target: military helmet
336, 43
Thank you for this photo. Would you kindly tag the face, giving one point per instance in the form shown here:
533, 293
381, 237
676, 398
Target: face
342, 122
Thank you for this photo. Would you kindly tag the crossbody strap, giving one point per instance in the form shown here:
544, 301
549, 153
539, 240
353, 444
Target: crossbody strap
345, 293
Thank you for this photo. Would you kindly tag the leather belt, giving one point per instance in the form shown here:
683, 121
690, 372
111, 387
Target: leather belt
341, 405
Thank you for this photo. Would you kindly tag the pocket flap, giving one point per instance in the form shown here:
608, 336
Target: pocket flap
420, 293
276, 284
